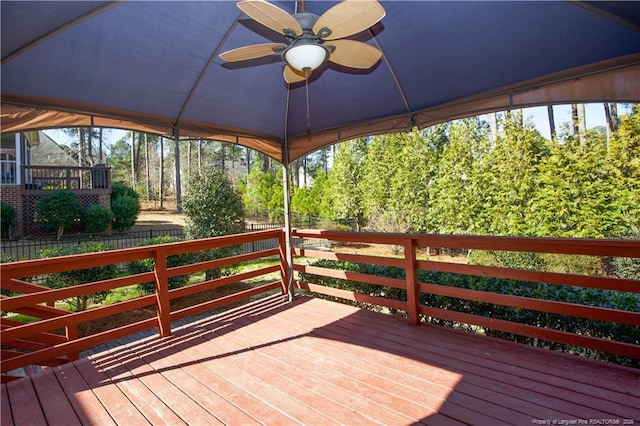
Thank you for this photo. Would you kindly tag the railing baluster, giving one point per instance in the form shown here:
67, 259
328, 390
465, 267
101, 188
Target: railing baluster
71, 332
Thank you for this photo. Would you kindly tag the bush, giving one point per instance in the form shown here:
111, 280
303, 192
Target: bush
7, 216
58, 211
80, 276
97, 218
5, 258
121, 190
147, 265
125, 212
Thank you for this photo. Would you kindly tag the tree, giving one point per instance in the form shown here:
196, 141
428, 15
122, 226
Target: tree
576, 194
125, 205
213, 208
624, 157
506, 180
345, 198
258, 191
276, 201
457, 202
412, 186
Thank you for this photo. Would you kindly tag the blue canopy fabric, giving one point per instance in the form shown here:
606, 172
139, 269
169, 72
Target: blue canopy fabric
154, 66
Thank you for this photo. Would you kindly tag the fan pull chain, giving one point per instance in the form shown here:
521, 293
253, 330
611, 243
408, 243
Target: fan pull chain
306, 83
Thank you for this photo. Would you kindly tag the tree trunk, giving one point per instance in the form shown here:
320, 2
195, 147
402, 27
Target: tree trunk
81, 147
582, 125
101, 145
265, 163
146, 164
189, 155
133, 159
304, 170
199, 155
248, 154
552, 122
90, 147
296, 174
178, 183
161, 173
493, 126
611, 116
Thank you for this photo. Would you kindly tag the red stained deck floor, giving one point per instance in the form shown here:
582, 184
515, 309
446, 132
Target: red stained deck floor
317, 362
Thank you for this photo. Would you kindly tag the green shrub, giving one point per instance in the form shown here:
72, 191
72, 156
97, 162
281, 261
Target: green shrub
125, 212
5, 258
121, 190
97, 218
7, 216
59, 211
568, 294
147, 265
626, 267
80, 276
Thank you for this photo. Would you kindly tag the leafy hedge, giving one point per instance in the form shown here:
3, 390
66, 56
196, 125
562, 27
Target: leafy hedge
79, 276
147, 265
586, 296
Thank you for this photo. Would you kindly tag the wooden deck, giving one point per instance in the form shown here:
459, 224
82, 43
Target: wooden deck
318, 362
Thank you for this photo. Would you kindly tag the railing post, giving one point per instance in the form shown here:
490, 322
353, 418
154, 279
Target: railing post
284, 263
411, 281
162, 292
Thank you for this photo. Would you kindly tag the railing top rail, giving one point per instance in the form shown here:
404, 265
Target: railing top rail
87, 260
34, 166
586, 246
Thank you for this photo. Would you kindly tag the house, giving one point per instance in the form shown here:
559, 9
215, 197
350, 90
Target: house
32, 164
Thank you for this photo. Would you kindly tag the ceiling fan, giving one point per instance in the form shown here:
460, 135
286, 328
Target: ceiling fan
313, 39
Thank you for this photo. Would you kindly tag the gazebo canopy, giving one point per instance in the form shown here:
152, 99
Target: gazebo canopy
153, 66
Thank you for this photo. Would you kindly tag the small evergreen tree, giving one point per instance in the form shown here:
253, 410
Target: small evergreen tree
213, 208
125, 205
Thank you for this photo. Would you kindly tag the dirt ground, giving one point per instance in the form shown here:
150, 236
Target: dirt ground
152, 217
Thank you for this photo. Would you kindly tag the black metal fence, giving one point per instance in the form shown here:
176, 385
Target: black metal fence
25, 249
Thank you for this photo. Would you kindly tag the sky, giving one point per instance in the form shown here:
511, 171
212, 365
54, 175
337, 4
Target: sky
562, 113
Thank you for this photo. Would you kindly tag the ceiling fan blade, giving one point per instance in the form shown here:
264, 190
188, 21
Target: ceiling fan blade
270, 16
354, 54
349, 17
292, 75
252, 52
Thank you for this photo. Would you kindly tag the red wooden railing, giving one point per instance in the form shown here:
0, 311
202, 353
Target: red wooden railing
53, 338
41, 343
409, 261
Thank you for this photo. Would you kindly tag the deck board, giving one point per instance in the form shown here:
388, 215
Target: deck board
319, 362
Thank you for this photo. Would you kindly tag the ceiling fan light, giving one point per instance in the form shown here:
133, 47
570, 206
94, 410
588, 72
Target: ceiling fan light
305, 57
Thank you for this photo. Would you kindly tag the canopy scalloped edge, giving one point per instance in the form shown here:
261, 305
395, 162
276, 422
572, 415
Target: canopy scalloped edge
613, 80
